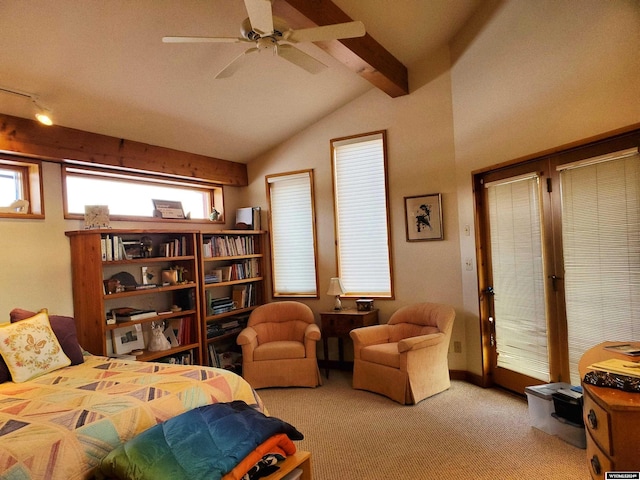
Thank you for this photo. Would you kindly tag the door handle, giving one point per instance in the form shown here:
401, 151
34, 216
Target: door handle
554, 279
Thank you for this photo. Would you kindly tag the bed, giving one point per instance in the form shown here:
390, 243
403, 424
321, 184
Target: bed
63, 423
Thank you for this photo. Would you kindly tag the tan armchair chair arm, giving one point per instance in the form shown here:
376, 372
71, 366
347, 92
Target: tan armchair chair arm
422, 341
247, 336
312, 332
371, 335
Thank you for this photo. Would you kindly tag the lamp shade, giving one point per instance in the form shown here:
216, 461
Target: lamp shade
335, 287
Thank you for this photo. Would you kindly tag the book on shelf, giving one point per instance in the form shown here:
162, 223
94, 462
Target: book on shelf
214, 330
129, 314
220, 305
633, 350
243, 295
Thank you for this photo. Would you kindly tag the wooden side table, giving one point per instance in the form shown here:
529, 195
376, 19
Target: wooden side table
612, 419
338, 323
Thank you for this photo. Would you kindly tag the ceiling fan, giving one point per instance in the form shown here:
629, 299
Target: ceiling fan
268, 32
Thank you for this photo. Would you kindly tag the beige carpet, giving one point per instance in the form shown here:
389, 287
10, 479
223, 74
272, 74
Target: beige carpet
466, 432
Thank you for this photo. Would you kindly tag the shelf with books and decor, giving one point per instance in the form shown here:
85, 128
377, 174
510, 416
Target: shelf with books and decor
137, 293
232, 285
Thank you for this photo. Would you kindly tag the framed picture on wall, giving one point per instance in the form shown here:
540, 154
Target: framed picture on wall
423, 217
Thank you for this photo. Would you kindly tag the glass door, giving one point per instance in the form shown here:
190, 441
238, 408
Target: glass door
516, 288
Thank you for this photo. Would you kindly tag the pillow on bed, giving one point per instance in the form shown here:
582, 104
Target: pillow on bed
63, 327
30, 348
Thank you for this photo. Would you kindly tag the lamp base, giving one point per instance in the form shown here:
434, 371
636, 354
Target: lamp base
337, 304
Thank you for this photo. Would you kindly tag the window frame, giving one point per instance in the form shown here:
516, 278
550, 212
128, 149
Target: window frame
351, 292
215, 192
31, 183
273, 232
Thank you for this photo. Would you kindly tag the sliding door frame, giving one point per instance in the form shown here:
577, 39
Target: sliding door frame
544, 163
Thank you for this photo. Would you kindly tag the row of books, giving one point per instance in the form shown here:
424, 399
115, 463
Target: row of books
244, 296
249, 268
228, 246
228, 359
233, 324
173, 248
114, 247
216, 306
178, 331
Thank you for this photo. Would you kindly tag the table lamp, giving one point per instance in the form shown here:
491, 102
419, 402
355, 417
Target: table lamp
336, 288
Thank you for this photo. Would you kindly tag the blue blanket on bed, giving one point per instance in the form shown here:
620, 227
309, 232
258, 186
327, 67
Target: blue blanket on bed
203, 443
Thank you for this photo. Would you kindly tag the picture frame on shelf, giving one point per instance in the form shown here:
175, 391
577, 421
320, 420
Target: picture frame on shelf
167, 209
423, 217
127, 339
96, 216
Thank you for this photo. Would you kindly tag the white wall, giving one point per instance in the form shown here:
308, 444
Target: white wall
34, 256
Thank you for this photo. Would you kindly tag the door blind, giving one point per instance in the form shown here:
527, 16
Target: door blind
518, 277
601, 247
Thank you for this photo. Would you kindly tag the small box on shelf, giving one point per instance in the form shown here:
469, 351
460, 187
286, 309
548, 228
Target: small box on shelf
364, 304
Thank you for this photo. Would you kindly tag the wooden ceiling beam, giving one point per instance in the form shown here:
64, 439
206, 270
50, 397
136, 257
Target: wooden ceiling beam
55, 143
363, 55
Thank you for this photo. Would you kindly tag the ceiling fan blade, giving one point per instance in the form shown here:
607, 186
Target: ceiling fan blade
235, 64
301, 59
260, 16
327, 32
202, 40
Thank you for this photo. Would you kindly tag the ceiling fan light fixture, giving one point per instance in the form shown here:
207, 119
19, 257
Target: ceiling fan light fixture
266, 32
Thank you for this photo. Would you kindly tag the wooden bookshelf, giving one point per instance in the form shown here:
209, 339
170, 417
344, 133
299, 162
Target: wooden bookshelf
232, 266
94, 296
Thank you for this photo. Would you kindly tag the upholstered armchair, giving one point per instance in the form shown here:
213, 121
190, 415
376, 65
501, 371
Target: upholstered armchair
405, 359
279, 346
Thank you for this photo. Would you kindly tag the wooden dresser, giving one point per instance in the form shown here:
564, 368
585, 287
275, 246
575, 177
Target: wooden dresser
612, 420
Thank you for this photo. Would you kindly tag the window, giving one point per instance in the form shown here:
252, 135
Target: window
20, 188
130, 195
293, 235
361, 215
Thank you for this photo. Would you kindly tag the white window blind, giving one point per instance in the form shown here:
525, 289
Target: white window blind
518, 277
361, 215
601, 246
292, 234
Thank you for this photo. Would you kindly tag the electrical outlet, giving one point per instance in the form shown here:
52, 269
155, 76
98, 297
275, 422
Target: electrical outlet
457, 347
467, 230
468, 264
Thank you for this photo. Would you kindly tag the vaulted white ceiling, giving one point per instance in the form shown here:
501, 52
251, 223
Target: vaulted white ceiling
101, 66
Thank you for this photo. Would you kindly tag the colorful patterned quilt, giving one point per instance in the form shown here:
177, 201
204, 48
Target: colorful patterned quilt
60, 425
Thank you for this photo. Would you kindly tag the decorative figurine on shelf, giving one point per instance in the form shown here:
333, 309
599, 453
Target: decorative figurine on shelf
214, 215
158, 341
146, 245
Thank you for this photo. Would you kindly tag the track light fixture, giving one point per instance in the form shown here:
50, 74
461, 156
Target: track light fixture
43, 114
